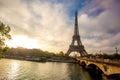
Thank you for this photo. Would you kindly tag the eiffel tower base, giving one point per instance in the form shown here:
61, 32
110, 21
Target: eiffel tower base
80, 49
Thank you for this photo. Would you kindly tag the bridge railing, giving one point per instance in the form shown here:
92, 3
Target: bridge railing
106, 61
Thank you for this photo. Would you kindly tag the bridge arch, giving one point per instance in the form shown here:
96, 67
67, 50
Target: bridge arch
95, 71
105, 70
83, 64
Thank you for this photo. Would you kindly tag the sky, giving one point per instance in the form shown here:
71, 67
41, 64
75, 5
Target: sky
49, 24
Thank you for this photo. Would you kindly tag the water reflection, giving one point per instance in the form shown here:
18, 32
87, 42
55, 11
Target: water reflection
14, 68
26, 70
77, 73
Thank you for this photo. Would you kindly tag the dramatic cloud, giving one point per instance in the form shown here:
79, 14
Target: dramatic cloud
99, 25
50, 22
46, 22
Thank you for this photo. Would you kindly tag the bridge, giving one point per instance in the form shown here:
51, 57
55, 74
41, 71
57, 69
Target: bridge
102, 66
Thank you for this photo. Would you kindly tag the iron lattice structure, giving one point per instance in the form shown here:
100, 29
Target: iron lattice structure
78, 47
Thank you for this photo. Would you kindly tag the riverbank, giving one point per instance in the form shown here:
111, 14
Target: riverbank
46, 59
62, 59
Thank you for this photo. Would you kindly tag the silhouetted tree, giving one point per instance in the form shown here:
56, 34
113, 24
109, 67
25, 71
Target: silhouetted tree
4, 34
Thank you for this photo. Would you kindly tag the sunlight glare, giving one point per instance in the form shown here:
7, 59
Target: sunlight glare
22, 41
14, 70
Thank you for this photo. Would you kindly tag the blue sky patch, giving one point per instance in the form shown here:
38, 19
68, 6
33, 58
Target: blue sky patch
97, 12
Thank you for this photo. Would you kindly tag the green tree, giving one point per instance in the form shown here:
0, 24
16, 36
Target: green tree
61, 53
4, 34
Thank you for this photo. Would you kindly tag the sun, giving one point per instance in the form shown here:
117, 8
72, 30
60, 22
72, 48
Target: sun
23, 41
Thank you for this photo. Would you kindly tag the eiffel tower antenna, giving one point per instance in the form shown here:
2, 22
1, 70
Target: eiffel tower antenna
76, 37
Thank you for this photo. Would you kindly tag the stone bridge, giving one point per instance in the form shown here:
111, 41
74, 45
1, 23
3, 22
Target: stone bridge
106, 67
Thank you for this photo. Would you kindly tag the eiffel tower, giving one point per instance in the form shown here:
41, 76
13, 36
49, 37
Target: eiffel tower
76, 37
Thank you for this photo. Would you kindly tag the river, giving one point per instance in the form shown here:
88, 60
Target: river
11, 69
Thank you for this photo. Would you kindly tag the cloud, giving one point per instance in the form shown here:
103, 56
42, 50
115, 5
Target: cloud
41, 20
51, 22
100, 31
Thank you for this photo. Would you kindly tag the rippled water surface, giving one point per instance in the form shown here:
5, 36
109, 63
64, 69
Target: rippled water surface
25, 70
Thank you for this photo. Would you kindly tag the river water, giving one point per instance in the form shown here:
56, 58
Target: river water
26, 70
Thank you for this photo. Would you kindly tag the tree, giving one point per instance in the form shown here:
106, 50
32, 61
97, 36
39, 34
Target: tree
4, 35
61, 53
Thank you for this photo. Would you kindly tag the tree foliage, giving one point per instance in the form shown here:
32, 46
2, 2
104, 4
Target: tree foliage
4, 34
24, 52
61, 53
105, 56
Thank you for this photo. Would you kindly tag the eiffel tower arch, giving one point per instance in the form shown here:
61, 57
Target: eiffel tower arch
76, 38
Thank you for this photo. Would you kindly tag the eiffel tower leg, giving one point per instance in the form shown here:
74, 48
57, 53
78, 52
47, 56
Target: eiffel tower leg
85, 53
80, 53
68, 52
